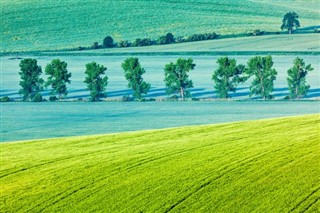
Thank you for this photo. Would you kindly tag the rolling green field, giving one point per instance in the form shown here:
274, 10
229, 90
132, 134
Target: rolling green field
254, 166
46, 24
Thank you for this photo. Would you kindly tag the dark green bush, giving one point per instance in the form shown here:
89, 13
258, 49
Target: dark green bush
53, 98
201, 37
95, 45
108, 42
142, 42
5, 99
124, 44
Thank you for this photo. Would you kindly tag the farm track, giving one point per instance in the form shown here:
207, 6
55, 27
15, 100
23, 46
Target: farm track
185, 164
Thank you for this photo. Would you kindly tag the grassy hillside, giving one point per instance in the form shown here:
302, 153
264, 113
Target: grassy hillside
256, 166
48, 24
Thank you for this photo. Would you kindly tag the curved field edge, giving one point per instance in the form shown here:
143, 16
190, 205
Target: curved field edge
254, 166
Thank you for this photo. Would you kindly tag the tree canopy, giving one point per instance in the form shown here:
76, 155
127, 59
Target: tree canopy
227, 76
31, 82
58, 77
94, 80
264, 76
177, 78
290, 21
133, 73
108, 42
297, 78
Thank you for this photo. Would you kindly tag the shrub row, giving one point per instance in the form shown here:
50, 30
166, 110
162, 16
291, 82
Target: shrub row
108, 41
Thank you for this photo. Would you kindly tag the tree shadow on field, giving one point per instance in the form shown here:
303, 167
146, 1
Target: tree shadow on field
8, 93
119, 93
309, 28
313, 93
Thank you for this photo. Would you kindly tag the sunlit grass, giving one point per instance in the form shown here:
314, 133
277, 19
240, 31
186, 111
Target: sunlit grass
257, 166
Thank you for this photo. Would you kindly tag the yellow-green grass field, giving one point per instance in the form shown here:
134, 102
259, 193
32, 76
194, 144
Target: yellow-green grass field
28, 25
268, 165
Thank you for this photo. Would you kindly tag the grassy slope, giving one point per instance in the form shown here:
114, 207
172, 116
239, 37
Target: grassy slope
256, 166
49, 24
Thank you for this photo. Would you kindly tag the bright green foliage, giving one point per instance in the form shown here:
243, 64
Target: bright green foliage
133, 73
31, 82
177, 78
290, 21
58, 77
94, 80
73, 23
264, 76
255, 166
297, 78
227, 76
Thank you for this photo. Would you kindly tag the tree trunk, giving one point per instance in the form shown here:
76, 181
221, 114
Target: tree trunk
182, 93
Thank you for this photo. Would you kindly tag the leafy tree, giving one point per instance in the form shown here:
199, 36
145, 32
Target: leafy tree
297, 78
177, 78
261, 68
95, 82
169, 38
31, 82
142, 42
124, 44
227, 76
133, 73
290, 21
108, 42
162, 40
95, 45
58, 77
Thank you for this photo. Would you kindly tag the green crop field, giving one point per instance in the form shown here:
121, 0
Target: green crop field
48, 24
254, 166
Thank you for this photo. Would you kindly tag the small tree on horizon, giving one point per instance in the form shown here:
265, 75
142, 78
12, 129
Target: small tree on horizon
133, 73
297, 78
261, 68
170, 38
58, 77
177, 78
108, 42
96, 84
290, 21
227, 76
31, 82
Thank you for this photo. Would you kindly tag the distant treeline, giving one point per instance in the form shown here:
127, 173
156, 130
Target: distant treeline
108, 41
225, 78
290, 22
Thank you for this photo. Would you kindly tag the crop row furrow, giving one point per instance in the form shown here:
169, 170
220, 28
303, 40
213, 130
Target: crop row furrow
311, 204
305, 199
222, 173
100, 179
225, 170
54, 161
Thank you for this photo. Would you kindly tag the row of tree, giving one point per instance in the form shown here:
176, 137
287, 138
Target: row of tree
226, 78
108, 41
